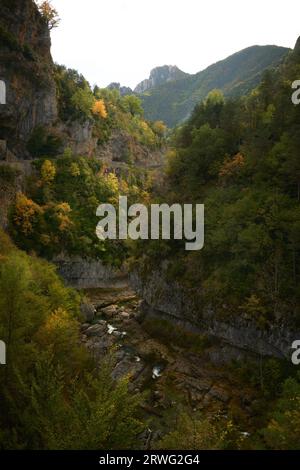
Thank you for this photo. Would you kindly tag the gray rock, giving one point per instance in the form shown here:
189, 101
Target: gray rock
238, 335
88, 311
159, 76
96, 330
110, 311
88, 273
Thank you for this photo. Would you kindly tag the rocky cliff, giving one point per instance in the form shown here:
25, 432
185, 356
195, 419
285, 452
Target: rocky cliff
159, 76
185, 307
26, 70
88, 273
29, 93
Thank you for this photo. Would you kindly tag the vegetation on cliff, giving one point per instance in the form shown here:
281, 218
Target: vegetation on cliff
52, 394
58, 212
241, 159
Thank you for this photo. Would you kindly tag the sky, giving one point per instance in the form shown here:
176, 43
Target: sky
122, 40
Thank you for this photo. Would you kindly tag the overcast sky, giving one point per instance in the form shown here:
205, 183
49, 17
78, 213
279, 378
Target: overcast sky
122, 40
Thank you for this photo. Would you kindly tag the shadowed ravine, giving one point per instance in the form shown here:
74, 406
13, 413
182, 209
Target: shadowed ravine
171, 375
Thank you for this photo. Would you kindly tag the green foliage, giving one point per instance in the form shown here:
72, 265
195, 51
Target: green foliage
82, 101
78, 102
12, 43
199, 433
283, 429
44, 142
74, 94
46, 364
8, 174
240, 158
175, 335
133, 105
91, 413
59, 213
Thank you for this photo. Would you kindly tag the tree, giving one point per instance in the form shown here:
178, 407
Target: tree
48, 171
49, 14
201, 434
26, 213
133, 105
83, 101
89, 413
283, 430
60, 335
231, 166
99, 109
15, 317
159, 128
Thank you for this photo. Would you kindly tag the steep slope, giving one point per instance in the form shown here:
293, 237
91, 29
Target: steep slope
173, 101
26, 71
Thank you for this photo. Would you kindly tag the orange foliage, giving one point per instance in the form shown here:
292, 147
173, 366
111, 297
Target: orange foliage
99, 109
231, 166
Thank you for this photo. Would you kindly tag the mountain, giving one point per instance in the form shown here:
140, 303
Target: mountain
124, 90
173, 99
160, 76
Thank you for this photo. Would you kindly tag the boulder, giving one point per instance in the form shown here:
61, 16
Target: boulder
88, 311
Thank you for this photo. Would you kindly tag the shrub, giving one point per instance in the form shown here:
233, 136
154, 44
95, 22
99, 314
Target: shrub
44, 142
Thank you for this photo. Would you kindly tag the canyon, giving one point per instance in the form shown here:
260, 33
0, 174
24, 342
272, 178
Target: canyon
163, 335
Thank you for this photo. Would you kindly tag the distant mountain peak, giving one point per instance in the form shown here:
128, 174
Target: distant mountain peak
172, 101
159, 76
124, 90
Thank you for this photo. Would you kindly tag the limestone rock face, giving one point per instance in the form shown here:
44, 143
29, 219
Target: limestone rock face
26, 70
79, 137
160, 75
88, 273
122, 149
29, 95
185, 307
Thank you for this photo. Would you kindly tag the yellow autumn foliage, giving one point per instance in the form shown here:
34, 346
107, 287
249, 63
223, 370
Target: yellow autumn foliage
26, 213
62, 210
99, 109
48, 171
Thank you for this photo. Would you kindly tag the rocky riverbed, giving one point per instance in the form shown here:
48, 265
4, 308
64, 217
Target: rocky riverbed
173, 374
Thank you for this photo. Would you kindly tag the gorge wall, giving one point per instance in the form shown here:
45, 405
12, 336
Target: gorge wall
170, 300
89, 274
26, 69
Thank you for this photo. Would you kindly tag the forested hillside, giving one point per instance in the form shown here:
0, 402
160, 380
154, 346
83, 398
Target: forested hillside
236, 75
240, 157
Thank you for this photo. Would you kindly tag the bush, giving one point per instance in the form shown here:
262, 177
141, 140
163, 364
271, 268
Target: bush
44, 142
8, 174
